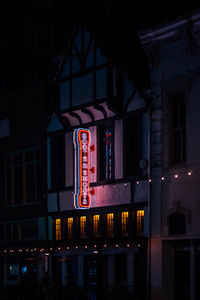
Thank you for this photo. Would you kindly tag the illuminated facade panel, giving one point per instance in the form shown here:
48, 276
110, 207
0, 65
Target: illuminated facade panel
140, 222
124, 219
82, 227
81, 140
110, 225
69, 228
58, 229
96, 226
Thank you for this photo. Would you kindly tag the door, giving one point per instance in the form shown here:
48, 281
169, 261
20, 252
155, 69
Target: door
182, 275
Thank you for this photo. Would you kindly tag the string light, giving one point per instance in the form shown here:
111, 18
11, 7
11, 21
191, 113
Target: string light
105, 246
162, 178
127, 245
67, 248
116, 246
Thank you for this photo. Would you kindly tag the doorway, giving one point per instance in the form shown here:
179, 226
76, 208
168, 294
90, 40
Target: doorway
182, 275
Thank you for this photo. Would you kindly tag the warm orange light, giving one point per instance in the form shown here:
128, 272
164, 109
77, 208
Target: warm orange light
58, 229
140, 221
82, 227
69, 228
124, 219
95, 226
110, 224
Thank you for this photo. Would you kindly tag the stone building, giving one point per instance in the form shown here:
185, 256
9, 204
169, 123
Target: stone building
173, 50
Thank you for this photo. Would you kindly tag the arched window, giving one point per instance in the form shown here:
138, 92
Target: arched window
177, 224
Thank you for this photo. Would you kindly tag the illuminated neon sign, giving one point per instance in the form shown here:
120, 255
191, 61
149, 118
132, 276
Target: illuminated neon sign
81, 140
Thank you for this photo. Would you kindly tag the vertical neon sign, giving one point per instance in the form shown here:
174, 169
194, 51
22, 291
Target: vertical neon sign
81, 140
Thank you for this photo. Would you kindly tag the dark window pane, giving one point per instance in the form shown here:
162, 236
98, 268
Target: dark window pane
29, 230
18, 184
106, 152
30, 182
30, 156
8, 231
2, 183
177, 129
57, 161
8, 161
38, 182
2, 235
133, 145
15, 231
17, 159
9, 185
177, 224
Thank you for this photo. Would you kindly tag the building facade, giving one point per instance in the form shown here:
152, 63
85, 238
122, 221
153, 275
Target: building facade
101, 240
80, 216
173, 51
85, 162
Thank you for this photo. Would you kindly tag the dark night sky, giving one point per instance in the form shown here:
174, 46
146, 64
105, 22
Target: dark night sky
114, 25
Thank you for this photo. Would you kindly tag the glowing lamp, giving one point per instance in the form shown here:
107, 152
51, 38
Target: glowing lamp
92, 170
81, 139
92, 192
92, 148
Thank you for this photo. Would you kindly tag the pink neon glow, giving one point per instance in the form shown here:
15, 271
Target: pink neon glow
81, 185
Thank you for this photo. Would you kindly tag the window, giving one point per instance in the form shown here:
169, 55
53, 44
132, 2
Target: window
177, 224
57, 161
4, 128
133, 145
124, 219
82, 227
2, 182
110, 225
58, 229
106, 152
2, 232
140, 222
177, 129
96, 226
29, 230
69, 228
23, 177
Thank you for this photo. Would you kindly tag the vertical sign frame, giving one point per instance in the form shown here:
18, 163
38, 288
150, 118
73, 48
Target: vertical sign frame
81, 140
